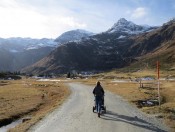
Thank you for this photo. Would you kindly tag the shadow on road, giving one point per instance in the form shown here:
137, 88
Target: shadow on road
131, 120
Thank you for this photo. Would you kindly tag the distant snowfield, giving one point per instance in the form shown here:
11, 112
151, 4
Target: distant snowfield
51, 80
167, 79
120, 81
121, 36
14, 51
172, 79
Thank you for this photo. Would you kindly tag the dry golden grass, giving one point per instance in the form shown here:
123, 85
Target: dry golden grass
132, 92
16, 99
139, 73
29, 97
129, 90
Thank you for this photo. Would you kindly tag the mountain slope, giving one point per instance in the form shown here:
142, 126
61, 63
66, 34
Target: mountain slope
22, 52
93, 53
106, 51
17, 53
154, 46
6, 60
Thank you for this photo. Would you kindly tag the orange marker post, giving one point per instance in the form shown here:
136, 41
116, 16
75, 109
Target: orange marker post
158, 81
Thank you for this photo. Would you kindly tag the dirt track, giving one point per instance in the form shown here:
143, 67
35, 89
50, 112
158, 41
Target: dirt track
76, 115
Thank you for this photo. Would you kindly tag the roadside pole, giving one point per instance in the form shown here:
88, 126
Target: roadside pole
158, 81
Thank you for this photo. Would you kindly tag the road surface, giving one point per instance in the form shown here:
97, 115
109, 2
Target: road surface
76, 115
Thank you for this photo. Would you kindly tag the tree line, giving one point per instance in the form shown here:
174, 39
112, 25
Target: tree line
10, 75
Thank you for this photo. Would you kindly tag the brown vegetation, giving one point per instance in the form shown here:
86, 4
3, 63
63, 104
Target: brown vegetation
29, 98
131, 91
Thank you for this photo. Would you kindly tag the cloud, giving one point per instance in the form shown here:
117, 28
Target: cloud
139, 12
72, 22
20, 22
8, 3
56, 25
23, 21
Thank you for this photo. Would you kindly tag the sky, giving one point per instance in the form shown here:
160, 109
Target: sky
51, 18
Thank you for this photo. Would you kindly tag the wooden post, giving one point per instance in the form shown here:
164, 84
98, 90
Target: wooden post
158, 81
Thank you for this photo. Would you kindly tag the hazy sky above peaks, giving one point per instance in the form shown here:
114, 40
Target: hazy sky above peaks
51, 18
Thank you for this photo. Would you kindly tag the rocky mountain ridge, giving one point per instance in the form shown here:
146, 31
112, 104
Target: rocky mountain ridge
17, 53
104, 51
128, 27
73, 35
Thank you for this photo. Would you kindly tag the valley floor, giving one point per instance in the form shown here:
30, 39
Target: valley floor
125, 85
38, 98
76, 115
29, 99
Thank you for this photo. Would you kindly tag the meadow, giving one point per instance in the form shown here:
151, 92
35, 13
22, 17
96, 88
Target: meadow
126, 85
28, 98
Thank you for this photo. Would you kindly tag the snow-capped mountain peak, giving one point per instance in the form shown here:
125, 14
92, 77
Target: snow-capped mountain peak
123, 22
171, 21
83, 31
73, 35
124, 26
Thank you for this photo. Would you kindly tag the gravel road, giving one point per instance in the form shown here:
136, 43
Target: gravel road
76, 115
